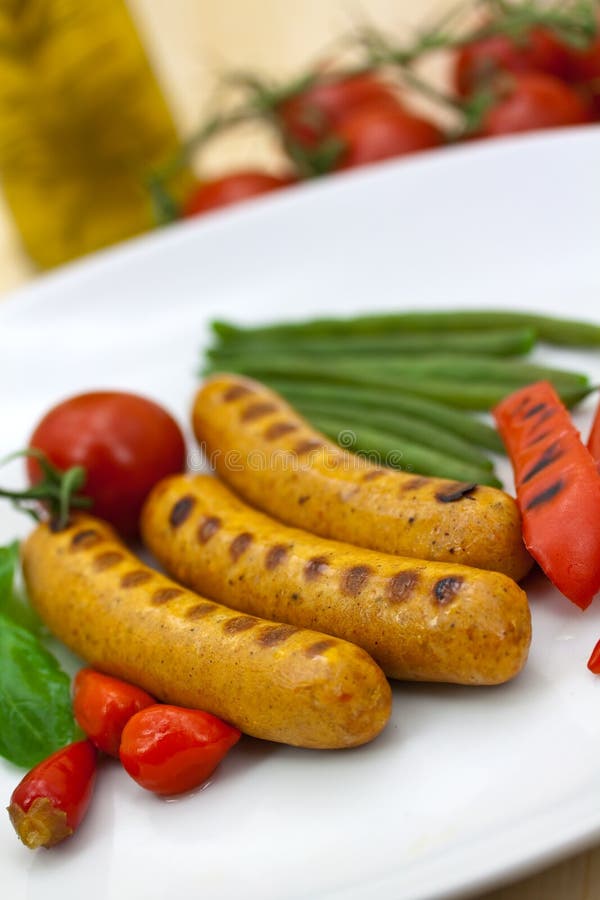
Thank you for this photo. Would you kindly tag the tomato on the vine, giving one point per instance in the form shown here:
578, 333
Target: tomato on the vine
586, 73
126, 444
310, 115
533, 101
382, 132
478, 62
230, 189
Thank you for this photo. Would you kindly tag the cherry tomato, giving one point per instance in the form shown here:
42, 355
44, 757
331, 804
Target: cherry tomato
478, 62
311, 115
51, 800
586, 73
169, 749
232, 189
535, 101
381, 132
126, 444
103, 705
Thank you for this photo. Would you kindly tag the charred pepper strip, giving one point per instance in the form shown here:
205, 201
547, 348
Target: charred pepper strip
558, 489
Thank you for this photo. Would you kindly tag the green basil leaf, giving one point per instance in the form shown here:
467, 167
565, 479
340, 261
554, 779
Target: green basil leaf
13, 605
36, 717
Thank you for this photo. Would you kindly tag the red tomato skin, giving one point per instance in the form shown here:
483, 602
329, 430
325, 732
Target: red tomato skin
230, 190
169, 749
586, 73
478, 62
103, 705
534, 102
594, 660
379, 132
312, 114
125, 442
52, 799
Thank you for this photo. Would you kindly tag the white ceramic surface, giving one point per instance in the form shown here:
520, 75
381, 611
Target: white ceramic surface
467, 787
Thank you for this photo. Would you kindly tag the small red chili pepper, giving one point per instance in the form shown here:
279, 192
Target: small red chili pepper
49, 803
103, 705
594, 660
558, 489
169, 749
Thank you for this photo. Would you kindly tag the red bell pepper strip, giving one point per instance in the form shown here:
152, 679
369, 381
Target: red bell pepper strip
558, 489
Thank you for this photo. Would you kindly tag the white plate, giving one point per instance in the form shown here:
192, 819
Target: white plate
467, 787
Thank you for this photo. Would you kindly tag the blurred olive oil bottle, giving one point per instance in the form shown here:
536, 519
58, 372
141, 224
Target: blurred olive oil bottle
82, 123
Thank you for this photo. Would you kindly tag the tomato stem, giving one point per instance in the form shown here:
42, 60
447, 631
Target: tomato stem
57, 490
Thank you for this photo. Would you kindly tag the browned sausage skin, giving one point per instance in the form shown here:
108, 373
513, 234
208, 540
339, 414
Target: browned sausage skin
420, 621
264, 450
272, 681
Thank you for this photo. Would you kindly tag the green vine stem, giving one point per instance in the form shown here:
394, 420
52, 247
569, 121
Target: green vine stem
56, 492
574, 21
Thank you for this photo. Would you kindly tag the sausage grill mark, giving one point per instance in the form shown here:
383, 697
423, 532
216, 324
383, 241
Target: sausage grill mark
163, 595
278, 429
239, 545
135, 578
275, 556
551, 454
237, 391
209, 526
181, 510
400, 586
446, 589
319, 648
307, 446
275, 634
107, 560
315, 567
456, 492
200, 610
414, 484
373, 474
239, 624
84, 539
354, 579
257, 411
546, 495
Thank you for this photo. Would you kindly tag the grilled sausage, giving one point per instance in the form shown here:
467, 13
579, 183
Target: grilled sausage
421, 621
270, 680
263, 449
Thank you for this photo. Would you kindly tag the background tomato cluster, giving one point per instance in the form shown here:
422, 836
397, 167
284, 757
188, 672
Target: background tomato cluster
500, 83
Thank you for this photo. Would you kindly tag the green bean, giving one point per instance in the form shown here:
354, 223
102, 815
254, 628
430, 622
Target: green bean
454, 421
552, 330
462, 395
400, 454
457, 369
508, 342
399, 426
